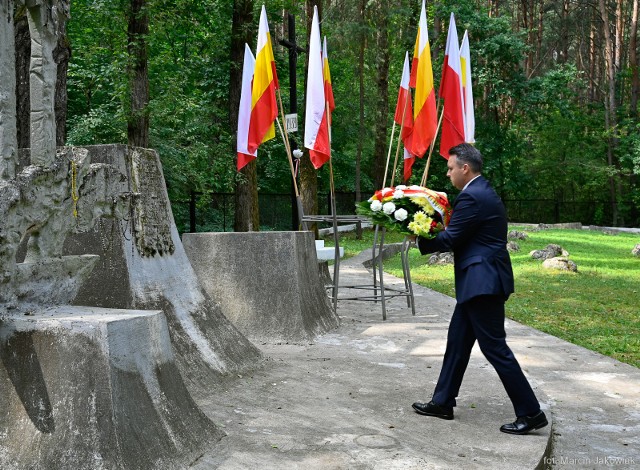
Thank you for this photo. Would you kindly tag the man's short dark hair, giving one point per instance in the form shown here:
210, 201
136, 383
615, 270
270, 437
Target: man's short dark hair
467, 153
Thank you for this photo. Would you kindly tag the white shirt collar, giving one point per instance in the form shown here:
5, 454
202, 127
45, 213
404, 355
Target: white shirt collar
470, 181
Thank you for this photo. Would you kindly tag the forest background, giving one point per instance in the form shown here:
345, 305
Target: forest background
555, 86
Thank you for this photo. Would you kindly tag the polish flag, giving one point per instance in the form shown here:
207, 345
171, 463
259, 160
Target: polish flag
244, 113
264, 109
404, 117
467, 91
404, 111
316, 126
451, 93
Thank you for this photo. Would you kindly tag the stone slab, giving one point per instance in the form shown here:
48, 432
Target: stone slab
95, 388
267, 283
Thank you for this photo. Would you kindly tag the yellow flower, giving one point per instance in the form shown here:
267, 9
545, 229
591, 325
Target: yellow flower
419, 217
424, 203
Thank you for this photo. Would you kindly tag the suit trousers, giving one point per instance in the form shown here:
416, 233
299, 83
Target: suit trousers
482, 318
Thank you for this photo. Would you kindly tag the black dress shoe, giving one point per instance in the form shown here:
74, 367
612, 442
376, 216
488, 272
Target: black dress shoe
526, 424
432, 409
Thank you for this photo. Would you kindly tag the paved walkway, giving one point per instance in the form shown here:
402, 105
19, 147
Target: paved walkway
344, 401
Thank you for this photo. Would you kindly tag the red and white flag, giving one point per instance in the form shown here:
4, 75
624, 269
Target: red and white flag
316, 125
404, 110
451, 93
244, 113
404, 117
264, 110
467, 91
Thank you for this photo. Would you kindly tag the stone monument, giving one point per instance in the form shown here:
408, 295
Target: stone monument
91, 385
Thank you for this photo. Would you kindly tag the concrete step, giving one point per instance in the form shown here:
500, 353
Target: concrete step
87, 387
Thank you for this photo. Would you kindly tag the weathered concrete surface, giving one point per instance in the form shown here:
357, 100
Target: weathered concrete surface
90, 388
344, 401
143, 266
44, 17
8, 132
51, 281
267, 283
37, 211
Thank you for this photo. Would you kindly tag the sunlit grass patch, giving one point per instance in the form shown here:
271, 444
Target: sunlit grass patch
596, 308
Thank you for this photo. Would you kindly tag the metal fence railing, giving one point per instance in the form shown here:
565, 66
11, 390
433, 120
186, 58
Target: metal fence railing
215, 212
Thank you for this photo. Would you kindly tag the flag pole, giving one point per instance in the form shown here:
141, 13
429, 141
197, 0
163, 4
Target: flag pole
404, 116
423, 182
285, 138
331, 183
395, 162
386, 168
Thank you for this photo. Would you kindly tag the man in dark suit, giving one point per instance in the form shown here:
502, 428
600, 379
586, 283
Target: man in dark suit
477, 235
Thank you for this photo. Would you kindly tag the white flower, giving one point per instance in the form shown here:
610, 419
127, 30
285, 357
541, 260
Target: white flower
400, 215
375, 205
297, 153
388, 208
398, 193
401, 186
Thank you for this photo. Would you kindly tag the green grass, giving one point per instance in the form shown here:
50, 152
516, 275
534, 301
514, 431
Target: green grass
596, 308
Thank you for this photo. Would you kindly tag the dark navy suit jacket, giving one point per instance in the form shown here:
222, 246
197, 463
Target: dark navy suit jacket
477, 235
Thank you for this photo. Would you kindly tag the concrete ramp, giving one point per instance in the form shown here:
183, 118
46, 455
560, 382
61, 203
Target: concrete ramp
95, 388
143, 266
267, 283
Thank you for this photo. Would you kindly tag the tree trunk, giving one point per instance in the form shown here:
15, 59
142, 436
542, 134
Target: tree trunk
138, 30
619, 32
308, 174
610, 108
593, 82
361, 123
246, 216
564, 35
539, 33
493, 8
633, 61
23, 57
382, 84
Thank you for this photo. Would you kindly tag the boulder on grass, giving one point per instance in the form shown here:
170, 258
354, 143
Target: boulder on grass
515, 234
550, 251
512, 247
441, 259
560, 262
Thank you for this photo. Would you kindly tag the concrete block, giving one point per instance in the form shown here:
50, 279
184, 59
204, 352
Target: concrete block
143, 266
267, 283
326, 253
90, 388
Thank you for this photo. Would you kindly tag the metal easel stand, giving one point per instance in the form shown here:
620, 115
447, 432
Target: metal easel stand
377, 253
335, 221
386, 292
